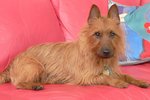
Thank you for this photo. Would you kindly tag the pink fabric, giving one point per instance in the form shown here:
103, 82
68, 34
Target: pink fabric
68, 92
24, 23
145, 1
73, 14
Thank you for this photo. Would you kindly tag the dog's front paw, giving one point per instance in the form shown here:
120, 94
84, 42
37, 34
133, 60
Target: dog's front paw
37, 87
144, 84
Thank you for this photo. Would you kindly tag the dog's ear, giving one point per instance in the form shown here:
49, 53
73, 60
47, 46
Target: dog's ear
114, 13
94, 13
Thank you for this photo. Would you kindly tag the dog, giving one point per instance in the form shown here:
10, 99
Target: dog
90, 60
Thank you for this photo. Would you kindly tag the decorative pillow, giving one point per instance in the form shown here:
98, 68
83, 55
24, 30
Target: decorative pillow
135, 22
139, 21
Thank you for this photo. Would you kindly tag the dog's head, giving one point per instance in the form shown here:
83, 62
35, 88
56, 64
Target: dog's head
103, 34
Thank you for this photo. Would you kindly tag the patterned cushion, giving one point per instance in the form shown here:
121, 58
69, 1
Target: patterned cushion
135, 21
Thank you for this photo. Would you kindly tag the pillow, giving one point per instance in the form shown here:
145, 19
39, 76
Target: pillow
139, 21
137, 44
128, 2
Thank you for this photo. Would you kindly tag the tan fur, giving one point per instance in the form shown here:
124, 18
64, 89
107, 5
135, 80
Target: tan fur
73, 62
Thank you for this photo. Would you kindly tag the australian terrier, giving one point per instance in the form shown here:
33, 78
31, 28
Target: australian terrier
90, 60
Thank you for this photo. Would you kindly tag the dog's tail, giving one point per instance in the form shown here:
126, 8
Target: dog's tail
4, 76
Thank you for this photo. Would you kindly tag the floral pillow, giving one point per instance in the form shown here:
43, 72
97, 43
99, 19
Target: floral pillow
136, 24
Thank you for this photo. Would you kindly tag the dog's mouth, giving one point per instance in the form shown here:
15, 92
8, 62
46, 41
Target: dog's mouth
106, 56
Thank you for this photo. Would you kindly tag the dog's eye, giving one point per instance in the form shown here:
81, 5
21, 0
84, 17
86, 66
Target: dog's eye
112, 34
97, 34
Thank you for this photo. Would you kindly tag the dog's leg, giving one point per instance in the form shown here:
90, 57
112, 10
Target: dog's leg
26, 74
134, 81
108, 80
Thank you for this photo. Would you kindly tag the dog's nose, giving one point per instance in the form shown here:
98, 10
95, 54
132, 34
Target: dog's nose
106, 53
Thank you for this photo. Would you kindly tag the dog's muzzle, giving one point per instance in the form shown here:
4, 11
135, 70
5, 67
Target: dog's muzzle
106, 53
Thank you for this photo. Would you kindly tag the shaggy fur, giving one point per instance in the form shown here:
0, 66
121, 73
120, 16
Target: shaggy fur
90, 60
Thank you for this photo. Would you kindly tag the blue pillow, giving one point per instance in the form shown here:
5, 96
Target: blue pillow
134, 21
